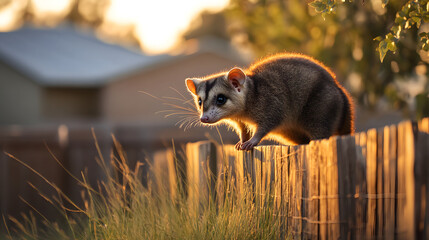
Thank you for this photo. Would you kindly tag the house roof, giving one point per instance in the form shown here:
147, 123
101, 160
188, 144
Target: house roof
68, 57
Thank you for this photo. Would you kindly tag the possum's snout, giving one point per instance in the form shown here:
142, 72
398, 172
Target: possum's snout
205, 119
210, 117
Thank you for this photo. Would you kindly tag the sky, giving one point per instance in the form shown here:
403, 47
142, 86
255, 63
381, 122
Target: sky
158, 23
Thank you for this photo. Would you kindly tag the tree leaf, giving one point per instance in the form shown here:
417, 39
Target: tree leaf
319, 6
417, 20
396, 30
379, 38
399, 20
391, 46
382, 49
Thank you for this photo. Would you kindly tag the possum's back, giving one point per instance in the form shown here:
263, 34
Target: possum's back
300, 81
289, 78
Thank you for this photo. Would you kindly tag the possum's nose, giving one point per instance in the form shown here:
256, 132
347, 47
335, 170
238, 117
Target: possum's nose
204, 119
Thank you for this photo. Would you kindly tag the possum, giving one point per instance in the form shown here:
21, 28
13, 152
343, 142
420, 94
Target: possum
290, 98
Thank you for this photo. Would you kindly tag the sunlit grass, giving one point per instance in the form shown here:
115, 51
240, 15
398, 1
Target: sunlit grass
121, 207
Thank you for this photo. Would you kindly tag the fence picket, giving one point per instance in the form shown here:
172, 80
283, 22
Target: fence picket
323, 214
390, 166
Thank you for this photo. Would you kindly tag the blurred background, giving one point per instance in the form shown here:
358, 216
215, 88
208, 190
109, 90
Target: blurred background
69, 66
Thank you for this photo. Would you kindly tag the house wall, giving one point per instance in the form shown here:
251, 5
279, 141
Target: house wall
68, 104
20, 98
123, 103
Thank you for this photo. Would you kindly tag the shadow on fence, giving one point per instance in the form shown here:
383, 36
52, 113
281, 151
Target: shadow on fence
370, 185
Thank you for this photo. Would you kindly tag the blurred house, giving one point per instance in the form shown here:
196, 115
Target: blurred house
51, 75
63, 75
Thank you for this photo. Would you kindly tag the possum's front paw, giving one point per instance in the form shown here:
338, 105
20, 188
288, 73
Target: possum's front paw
248, 145
238, 145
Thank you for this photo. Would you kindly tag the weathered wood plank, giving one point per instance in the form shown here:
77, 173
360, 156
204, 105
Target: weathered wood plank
277, 170
405, 215
201, 164
305, 199
346, 156
164, 171
277, 189
360, 185
225, 171
257, 166
267, 172
240, 173
380, 194
421, 175
313, 189
286, 190
322, 156
332, 190
296, 191
249, 169
389, 167
371, 179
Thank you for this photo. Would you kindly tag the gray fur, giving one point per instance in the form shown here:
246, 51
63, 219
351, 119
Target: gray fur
290, 96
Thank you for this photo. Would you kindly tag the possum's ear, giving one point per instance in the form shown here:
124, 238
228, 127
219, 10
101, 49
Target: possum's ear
190, 84
236, 77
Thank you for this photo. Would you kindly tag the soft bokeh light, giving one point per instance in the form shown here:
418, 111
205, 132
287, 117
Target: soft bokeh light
48, 12
159, 23
50, 6
9, 17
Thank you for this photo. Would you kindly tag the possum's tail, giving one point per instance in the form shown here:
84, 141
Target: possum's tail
348, 123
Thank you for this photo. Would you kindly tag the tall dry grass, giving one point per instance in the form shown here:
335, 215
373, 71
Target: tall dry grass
121, 207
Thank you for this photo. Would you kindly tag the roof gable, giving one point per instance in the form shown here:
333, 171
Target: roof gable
67, 57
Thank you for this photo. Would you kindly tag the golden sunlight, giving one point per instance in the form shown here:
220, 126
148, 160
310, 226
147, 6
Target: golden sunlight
159, 23
9, 17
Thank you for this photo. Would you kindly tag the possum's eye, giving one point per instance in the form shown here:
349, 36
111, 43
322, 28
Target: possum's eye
220, 100
199, 102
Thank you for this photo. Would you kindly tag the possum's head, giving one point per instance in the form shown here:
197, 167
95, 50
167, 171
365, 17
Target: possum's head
219, 96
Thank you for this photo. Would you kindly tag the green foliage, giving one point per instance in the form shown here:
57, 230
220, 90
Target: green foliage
344, 35
324, 6
413, 13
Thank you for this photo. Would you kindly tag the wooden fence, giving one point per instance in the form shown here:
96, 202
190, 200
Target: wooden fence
371, 185
374, 184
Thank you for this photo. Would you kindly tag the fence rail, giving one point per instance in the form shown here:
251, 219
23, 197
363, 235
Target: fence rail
374, 184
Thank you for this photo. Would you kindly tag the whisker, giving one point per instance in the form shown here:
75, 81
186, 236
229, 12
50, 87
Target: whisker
191, 123
184, 120
172, 88
185, 109
174, 110
180, 114
189, 102
180, 107
150, 95
174, 98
